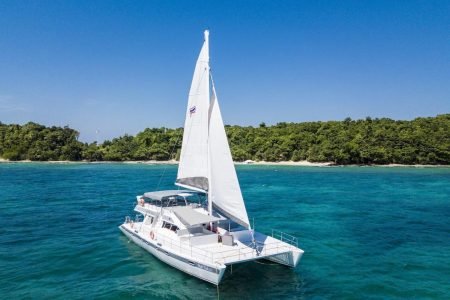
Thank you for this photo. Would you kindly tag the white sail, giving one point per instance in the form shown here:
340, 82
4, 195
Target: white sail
224, 190
193, 167
206, 165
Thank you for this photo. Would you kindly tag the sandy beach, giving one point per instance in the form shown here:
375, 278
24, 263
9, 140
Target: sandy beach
303, 163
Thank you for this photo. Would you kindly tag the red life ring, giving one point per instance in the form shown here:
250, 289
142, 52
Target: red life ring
152, 235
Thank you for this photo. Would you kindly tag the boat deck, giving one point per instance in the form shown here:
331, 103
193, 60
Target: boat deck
245, 251
241, 251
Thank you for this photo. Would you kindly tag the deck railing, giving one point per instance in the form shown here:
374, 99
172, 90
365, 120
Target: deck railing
284, 237
285, 244
182, 247
261, 249
225, 256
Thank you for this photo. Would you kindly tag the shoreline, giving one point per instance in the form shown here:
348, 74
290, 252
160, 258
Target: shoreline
303, 163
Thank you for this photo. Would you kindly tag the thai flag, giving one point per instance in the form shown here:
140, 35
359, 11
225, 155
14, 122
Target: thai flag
192, 110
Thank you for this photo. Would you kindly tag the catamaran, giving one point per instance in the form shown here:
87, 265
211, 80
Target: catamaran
204, 227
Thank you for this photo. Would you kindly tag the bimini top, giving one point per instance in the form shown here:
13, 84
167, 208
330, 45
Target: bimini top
159, 195
190, 217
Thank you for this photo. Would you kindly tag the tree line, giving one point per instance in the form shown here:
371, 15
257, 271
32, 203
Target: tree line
364, 141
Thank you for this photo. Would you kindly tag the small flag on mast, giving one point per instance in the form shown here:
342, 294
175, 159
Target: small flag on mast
192, 110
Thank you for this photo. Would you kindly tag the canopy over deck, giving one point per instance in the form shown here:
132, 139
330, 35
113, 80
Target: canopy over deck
159, 195
191, 217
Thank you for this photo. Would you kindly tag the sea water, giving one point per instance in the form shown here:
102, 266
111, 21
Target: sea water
367, 233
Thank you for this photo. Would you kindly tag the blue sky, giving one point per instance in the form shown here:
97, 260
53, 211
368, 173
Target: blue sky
121, 66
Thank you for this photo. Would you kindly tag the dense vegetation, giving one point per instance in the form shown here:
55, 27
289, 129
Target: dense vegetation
369, 141
37, 142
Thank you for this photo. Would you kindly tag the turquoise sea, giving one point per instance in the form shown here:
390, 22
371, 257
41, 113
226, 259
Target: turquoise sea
367, 232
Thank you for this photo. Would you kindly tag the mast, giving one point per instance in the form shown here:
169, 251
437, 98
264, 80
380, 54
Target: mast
206, 163
210, 206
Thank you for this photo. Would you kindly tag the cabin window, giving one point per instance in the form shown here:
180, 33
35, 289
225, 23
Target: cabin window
230, 226
170, 226
174, 201
181, 201
149, 221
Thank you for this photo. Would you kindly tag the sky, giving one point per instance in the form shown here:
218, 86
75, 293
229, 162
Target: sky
107, 68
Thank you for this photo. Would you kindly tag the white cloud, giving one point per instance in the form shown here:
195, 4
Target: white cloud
10, 104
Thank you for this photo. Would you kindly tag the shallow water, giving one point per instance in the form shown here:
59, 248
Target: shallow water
367, 232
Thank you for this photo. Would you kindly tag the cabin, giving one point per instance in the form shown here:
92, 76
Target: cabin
185, 217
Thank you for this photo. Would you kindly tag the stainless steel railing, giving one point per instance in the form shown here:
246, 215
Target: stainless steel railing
284, 244
284, 237
225, 256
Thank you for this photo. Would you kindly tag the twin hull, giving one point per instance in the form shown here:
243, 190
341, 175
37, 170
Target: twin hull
202, 270
210, 273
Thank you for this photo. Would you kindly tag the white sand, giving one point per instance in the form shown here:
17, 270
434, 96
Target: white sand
303, 163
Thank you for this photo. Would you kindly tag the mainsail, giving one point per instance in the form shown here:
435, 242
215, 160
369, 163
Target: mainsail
193, 168
205, 162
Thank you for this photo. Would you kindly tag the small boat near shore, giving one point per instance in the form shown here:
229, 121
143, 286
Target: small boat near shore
204, 227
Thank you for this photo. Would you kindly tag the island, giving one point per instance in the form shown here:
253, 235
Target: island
377, 141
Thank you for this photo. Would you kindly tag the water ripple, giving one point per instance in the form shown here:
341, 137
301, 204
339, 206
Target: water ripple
368, 233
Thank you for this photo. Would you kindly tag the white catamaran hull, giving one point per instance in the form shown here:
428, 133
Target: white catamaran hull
204, 228
212, 274
290, 259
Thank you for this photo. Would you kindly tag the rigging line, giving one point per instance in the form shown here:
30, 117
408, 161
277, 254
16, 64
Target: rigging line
165, 167
190, 126
197, 93
212, 80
